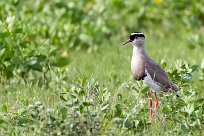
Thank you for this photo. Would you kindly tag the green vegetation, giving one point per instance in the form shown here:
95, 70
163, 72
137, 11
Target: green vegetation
64, 71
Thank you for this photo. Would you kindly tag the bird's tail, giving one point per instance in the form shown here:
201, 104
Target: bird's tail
175, 89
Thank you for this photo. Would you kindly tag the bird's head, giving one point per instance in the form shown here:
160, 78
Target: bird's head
137, 39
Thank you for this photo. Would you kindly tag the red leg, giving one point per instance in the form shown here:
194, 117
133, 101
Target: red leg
150, 106
157, 102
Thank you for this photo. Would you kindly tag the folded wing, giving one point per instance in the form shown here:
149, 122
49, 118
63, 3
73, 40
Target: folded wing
159, 75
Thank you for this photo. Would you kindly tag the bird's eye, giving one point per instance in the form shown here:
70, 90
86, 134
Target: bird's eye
132, 37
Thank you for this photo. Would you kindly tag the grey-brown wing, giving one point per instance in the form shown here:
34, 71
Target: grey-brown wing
159, 75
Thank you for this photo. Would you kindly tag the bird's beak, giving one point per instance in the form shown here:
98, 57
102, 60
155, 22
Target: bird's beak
128, 41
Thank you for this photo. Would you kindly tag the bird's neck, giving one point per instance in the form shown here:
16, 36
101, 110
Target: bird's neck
138, 50
138, 62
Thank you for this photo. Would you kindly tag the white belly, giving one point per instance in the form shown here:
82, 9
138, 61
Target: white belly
150, 83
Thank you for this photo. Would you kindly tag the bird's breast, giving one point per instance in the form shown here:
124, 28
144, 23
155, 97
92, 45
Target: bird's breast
137, 67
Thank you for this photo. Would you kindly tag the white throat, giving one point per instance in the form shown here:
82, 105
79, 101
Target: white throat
138, 49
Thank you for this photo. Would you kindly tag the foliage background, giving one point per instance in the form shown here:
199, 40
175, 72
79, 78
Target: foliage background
63, 70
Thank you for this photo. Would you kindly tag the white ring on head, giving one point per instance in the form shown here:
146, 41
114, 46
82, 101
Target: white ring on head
136, 33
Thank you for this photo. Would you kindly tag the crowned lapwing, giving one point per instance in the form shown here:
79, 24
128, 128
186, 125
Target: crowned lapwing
146, 69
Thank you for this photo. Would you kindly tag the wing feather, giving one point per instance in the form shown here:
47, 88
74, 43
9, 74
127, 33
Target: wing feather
159, 75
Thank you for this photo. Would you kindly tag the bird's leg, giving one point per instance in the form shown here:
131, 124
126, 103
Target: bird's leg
150, 105
157, 102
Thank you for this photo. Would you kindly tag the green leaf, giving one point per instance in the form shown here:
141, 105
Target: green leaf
200, 100
9, 71
166, 110
32, 61
194, 68
10, 19
118, 111
120, 96
5, 34
52, 118
21, 120
26, 102
18, 30
60, 62
184, 128
180, 104
104, 107
2, 51
4, 108
1, 121
118, 107
36, 67
41, 58
163, 63
9, 42
64, 111
53, 53
62, 97
6, 54
24, 44
145, 90
87, 104
189, 109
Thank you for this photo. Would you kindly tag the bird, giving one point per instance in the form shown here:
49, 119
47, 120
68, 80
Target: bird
143, 67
